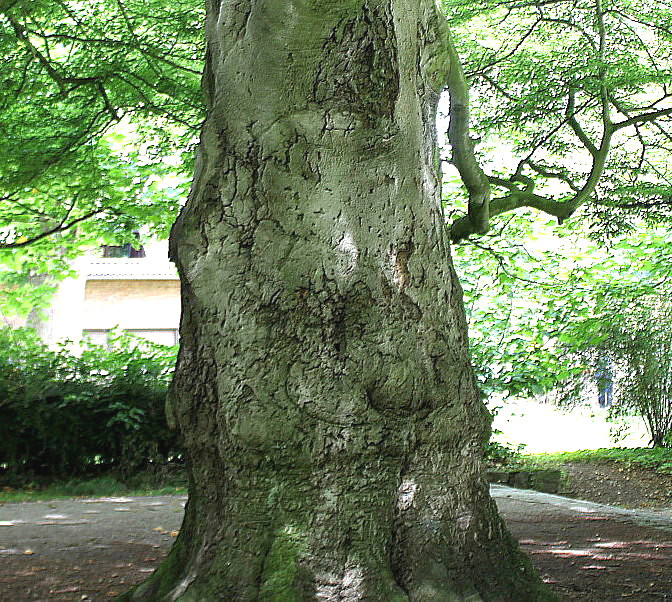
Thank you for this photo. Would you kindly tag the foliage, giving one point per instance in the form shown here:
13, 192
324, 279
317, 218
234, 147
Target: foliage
101, 106
18, 488
635, 348
541, 297
62, 413
503, 454
520, 294
571, 106
549, 315
646, 384
657, 458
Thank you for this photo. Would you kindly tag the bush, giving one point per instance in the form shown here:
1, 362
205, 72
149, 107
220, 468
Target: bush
626, 351
503, 454
62, 413
640, 351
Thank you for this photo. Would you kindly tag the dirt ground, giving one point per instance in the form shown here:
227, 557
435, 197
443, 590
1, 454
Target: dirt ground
618, 485
88, 549
591, 552
590, 558
95, 549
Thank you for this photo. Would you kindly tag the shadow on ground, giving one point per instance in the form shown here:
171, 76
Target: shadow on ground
95, 549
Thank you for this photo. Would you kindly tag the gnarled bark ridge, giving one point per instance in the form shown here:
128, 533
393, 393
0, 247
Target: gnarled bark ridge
323, 385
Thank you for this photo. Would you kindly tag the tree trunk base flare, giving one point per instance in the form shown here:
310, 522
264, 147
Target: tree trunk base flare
323, 387
279, 535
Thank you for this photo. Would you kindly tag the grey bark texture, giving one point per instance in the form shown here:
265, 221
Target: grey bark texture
323, 386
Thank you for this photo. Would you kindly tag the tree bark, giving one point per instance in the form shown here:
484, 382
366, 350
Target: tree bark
323, 386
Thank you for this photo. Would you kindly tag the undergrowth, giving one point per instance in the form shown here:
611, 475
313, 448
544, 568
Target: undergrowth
655, 458
165, 482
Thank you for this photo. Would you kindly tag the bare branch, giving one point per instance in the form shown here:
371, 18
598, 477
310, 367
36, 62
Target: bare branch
463, 156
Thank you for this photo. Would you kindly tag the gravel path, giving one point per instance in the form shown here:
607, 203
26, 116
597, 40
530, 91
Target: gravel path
93, 549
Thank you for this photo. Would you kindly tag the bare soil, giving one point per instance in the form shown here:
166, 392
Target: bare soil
616, 484
84, 549
595, 559
94, 550
591, 558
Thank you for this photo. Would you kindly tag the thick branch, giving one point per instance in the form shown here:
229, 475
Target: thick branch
576, 126
517, 198
643, 118
462, 228
463, 156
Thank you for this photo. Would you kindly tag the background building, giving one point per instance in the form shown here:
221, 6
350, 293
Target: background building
139, 294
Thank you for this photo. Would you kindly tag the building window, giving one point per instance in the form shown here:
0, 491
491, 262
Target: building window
120, 251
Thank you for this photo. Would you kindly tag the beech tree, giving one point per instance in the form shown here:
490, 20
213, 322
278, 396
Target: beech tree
323, 386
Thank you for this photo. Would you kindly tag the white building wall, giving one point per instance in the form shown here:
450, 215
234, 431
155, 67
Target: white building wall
141, 296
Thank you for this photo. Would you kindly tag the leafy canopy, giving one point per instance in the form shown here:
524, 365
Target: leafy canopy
570, 111
101, 105
575, 97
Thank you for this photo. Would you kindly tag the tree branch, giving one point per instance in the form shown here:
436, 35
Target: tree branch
462, 227
110, 43
59, 79
642, 118
547, 173
62, 227
511, 52
576, 126
463, 157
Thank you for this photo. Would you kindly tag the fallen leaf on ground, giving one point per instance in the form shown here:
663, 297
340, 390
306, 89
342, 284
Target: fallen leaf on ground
66, 590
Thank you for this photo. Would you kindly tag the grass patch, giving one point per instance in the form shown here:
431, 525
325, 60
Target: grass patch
144, 483
657, 458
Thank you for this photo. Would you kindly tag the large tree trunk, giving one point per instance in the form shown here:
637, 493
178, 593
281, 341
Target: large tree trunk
323, 386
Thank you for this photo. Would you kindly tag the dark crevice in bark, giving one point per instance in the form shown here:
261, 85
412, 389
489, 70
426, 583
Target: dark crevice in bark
359, 72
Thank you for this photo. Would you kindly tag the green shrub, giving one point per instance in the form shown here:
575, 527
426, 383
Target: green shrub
630, 348
62, 413
503, 454
101, 486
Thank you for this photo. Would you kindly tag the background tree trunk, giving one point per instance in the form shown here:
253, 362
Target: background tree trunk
323, 386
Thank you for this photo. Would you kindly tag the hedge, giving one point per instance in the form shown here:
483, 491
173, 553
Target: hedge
63, 412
